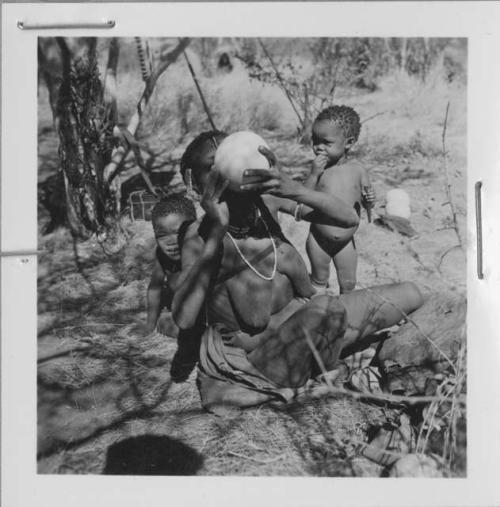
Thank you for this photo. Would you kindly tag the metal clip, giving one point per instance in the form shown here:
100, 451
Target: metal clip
105, 24
21, 253
479, 231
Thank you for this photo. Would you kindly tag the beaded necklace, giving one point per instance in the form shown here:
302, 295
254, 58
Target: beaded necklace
247, 262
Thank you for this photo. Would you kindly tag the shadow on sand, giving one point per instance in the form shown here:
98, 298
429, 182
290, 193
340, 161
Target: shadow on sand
152, 455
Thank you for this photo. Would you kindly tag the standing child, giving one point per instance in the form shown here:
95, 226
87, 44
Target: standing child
334, 132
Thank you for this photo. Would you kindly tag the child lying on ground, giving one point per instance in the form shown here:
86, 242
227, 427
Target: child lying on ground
334, 132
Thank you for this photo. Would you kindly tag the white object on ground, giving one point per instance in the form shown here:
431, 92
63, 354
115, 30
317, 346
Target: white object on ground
398, 203
238, 152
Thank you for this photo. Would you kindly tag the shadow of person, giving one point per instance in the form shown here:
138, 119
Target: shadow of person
151, 455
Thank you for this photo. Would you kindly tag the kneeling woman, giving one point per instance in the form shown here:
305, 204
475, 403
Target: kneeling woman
253, 287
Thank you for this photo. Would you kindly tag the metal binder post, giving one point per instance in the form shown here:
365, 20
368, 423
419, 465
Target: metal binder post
479, 231
104, 24
24, 255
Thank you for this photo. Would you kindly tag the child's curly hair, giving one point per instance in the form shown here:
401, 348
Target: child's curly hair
175, 203
191, 157
345, 117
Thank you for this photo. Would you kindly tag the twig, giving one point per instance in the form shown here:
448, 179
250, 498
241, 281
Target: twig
262, 461
389, 398
62, 353
281, 82
200, 93
447, 179
318, 359
376, 115
446, 252
134, 146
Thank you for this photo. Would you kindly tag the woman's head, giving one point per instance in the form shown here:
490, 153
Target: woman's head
198, 158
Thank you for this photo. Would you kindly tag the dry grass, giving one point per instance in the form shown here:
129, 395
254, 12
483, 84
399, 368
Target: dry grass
99, 384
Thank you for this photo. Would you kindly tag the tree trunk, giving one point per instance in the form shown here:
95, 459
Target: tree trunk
85, 140
85, 115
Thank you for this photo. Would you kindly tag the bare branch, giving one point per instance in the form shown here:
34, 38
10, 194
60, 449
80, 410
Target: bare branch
110, 95
170, 57
448, 184
446, 252
200, 92
389, 398
281, 82
376, 115
166, 60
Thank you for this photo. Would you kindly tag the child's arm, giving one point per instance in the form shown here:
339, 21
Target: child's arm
154, 297
295, 198
317, 168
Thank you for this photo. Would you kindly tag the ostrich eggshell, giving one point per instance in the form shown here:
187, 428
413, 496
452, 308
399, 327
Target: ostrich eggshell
238, 152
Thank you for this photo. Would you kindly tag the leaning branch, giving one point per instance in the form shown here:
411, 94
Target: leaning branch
281, 82
166, 60
395, 399
110, 94
447, 181
200, 92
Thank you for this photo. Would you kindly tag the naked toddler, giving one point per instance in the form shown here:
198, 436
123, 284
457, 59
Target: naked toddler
334, 132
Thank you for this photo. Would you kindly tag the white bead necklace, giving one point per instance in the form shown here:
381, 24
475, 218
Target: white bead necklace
247, 262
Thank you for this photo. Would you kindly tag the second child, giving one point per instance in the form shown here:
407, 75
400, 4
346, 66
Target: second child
335, 130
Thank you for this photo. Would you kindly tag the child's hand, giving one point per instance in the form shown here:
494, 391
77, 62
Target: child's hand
269, 181
368, 200
369, 196
273, 180
319, 164
215, 210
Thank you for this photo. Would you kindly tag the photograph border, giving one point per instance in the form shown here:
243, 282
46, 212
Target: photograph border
478, 23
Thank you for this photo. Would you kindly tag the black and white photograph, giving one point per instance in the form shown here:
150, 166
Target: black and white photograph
252, 256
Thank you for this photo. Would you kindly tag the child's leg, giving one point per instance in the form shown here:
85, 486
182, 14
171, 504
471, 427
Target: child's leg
346, 262
320, 262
